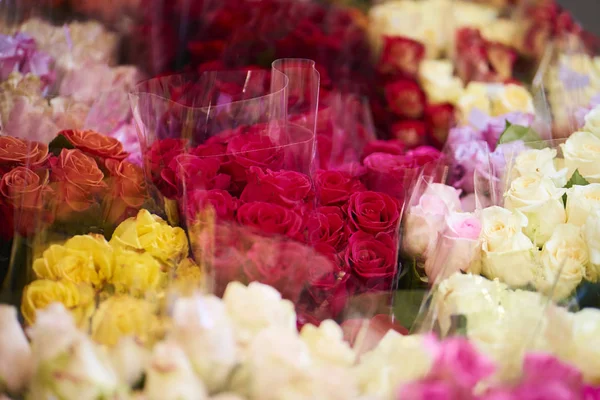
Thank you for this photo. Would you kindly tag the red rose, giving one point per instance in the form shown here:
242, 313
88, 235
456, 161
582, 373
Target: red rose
372, 259
393, 146
401, 56
252, 149
287, 188
373, 212
189, 172
95, 143
270, 218
405, 98
335, 187
213, 147
424, 155
502, 59
537, 38
158, 157
412, 133
327, 225
389, 174
440, 118
324, 151
15, 152
221, 201
79, 180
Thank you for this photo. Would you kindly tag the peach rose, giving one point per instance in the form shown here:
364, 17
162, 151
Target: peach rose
127, 188
95, 143
15, 152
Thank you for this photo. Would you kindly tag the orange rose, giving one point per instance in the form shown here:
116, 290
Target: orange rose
127, 187
79, 178
15, 152
23, 188
95, 143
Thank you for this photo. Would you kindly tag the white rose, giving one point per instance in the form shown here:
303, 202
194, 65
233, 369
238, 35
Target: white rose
542, 162
129, 358
256, 307
581, 152
585, 352
326, 344
541, 202
438, 82
591, 234
204, 331
170, 375
566, 254
52, 333
15, 354
592, 121
581, 202
498, 224
397, 359
512, 98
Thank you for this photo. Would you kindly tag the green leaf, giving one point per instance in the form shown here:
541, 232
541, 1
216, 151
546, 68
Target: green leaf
58, 143
512, 133
576, 179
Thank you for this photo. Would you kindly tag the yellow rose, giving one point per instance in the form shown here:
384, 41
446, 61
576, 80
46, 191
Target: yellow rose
188, 276
79, 299
59, 262
512, 98
98, 248
475, 96
136, 273
123, 315
151, 233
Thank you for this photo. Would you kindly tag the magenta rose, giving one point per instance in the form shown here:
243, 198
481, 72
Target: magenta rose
327, 225
391, 174
190, 172
212, 149
335, 187
393, 146
158, 157
270, 218
373, 212
252, 150
221, 201
372, 259
289, 189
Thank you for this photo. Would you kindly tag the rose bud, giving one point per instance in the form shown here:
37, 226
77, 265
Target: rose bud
405, 98
502, 59
412, 133
401, 56
439, 117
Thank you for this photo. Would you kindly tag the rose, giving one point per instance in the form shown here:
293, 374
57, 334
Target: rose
424, 155
79, 179
584, 353
458, 249
59, 262
95, 144
122, 315
581, 152
286, 188
187, 172
541, 202
256, 307
335, 187
223, 204
205, 333
400, 56
16, 365
508, 254
390, 174
412, 132
326, 225
474, 98
392, 146
252, 149
533, 162
405, 98
512, 98
129, 358
372, 259
591, 235
137, 273
592, 121
170, 376
502, 59
127, 188
564, 260
373, 212
15, 152
581, 201
159, 156
326, 344
24, 189
436, 77
78, 299
440, 118
270, 218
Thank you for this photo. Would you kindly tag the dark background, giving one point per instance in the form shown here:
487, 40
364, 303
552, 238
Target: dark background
586, 12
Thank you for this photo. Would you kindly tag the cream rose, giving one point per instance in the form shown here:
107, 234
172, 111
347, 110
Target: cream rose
591, 234
564, 259
581, 201
129, 359
437, 79
502, 31
585, 351
542, 162
512, 98
326, 344
592, 121
581, 152
541, 202
15, 354
474, 97
508, 254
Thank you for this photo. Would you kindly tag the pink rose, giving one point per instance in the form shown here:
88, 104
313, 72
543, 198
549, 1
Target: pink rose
373, 212
372, 260
270, 218
327, 225
287, 188
189, 172
158, 157
221, 201
335, 187
388, 173
393, 146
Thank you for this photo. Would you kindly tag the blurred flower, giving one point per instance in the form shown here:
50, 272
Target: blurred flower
19, 53
15, 353
137, 273
439, 84
584, 350
405, 98
326, 344
400, 56
129, 359
512, 98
